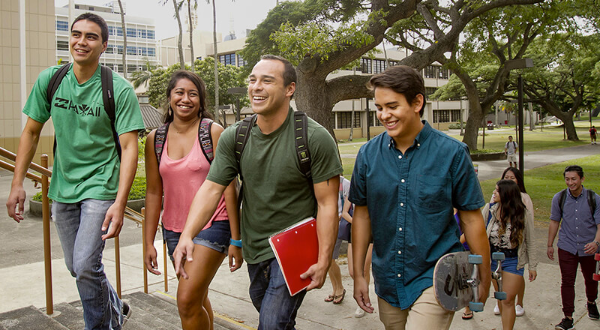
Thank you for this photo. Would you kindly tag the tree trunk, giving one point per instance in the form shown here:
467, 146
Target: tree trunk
472, 129
124, 40
179, 38
216, 61
191, 34
313, 97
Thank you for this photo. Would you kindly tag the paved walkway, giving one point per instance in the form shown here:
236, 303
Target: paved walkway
22, 281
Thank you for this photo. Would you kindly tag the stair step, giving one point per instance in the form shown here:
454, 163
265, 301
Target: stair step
157, 308
68, 315
28, 318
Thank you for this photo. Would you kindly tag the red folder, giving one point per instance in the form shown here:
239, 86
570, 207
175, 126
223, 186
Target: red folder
296, 249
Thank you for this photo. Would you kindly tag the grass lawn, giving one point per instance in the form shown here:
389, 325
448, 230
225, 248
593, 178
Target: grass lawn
543, 183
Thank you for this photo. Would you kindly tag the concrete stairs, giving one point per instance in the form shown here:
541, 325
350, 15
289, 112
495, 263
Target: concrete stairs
149, 311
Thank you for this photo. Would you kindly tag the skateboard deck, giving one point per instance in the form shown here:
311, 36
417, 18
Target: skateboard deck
455, 281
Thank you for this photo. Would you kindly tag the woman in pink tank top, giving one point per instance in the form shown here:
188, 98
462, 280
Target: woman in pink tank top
177, 175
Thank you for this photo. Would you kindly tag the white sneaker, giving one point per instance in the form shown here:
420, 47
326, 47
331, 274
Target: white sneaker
359, 313
519, 310
496, 309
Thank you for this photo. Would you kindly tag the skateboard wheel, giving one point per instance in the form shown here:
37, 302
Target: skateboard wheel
500, 295
596, 277
475, 259
498, 256
476, 306
597, 256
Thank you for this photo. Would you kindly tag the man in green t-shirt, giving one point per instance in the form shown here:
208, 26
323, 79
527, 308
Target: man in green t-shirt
89, 184
276, 194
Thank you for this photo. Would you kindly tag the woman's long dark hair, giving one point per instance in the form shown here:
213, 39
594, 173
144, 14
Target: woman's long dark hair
512, 210
515, 171
196, 80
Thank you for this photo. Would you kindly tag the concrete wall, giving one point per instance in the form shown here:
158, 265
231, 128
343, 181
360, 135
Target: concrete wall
27, 46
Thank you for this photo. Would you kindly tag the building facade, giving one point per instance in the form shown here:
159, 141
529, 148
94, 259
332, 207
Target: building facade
27, 46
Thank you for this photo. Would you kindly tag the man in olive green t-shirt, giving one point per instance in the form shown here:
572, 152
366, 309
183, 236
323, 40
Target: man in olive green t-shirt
90, 184
276, 194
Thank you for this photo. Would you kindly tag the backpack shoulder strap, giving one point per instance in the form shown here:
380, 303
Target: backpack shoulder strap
592, 201
55, 81
242, 133
561, 200
109, 102
301, 139
205, 139
159, 141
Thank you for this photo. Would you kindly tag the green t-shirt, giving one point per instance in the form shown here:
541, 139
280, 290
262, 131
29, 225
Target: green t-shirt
276, 193
86, 164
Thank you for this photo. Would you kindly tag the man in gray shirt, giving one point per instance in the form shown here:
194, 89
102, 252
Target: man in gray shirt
578, 241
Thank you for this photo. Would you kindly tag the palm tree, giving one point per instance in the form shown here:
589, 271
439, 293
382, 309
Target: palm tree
179, 43
142, 77
192, 29
124, 40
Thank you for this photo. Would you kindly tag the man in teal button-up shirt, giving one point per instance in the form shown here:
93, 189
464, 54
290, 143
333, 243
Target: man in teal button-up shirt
405, 183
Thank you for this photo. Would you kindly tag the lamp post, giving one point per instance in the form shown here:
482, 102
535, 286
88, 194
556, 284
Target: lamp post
520, 64
237, 91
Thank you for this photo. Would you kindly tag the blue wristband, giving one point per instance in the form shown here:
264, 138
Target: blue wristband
235, 242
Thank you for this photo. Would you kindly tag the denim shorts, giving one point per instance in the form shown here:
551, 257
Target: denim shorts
215, 237
509, 265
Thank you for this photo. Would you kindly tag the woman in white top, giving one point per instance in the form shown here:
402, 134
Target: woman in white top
513, 174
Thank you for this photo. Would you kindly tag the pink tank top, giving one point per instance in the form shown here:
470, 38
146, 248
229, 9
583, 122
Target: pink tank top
181, 180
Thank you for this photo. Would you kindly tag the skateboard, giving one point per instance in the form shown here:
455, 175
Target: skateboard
456, 281
497, 275
597, 272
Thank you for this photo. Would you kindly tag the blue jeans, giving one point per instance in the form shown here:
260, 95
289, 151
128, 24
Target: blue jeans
270, 294
79, 229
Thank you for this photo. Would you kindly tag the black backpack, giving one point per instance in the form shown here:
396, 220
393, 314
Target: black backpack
203, 136
107, 97
591, 201
242, 134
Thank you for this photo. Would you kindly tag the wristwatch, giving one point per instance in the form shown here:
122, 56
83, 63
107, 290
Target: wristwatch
597, 243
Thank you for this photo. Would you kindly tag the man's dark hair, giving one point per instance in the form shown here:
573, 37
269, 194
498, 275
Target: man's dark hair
96, 19
289, 72
198, 82
403, 80
510, 136
574, 168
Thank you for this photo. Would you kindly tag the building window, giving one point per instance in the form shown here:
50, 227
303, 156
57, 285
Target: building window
455, 115
443, 73
430, 71
430, 90
366, 65
344, 119
62, 26
120, 68
394, 63
131, 50
120, 50
241, 61
446, 116
131, 32
62, 45
150, 34
131, 68
111, 49
119, 31
379, 66
227, 59
151, 51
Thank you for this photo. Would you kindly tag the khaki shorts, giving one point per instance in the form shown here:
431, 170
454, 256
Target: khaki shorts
511, 158
425, 313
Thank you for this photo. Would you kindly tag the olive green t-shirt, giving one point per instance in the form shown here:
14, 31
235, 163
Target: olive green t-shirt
86, 164
276, 193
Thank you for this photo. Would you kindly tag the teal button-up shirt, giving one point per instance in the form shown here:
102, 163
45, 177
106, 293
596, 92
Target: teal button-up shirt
410, 198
